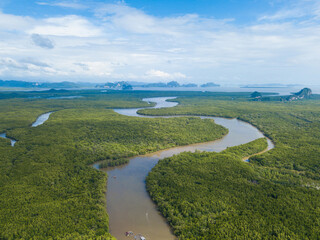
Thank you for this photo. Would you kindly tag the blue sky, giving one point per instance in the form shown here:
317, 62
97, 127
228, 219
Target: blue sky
226, 41
243, 10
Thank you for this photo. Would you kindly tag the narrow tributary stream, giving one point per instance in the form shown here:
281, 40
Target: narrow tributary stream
40, 120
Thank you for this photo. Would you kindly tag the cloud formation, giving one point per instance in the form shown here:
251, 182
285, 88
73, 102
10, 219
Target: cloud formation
307, 9
42, 41
70, 25
65, 4
120, 42
164, 75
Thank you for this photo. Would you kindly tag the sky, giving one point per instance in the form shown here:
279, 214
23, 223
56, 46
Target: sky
229, 42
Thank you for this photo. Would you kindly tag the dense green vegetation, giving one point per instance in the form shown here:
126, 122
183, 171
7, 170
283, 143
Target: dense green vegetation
95, 134
275, 196
246, 150
293, 126
133, 96
218, 196
20, 109
48, 190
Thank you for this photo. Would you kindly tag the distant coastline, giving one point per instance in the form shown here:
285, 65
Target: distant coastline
272, 85
264, 87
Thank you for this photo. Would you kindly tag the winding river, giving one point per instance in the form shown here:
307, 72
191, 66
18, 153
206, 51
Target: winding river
128, 203
4, 135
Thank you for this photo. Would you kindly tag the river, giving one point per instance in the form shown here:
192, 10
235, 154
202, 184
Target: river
4, 135
128, 203
39, 121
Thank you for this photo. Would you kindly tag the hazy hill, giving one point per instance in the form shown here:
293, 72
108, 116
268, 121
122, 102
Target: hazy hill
24, 84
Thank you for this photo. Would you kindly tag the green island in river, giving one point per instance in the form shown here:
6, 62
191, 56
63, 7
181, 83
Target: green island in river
49, 190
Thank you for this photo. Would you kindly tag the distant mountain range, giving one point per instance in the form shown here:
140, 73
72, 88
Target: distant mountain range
172, 84
121, 85
115, 86
23, 84
210, 84
304, 93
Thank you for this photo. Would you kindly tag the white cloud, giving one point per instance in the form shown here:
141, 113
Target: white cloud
96, 68
34, 62
11, 63
284, 14
160, 74
70, 25
308, 9
11, 22
73, 5
136, 21
33, 67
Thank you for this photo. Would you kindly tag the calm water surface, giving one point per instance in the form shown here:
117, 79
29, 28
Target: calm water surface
280, 90
41, 119
128, 203
4, 135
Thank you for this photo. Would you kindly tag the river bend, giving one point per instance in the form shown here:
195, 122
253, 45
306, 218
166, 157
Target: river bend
128, 204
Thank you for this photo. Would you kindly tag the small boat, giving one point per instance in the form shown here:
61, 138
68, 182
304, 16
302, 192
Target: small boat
139, 237
129, 233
